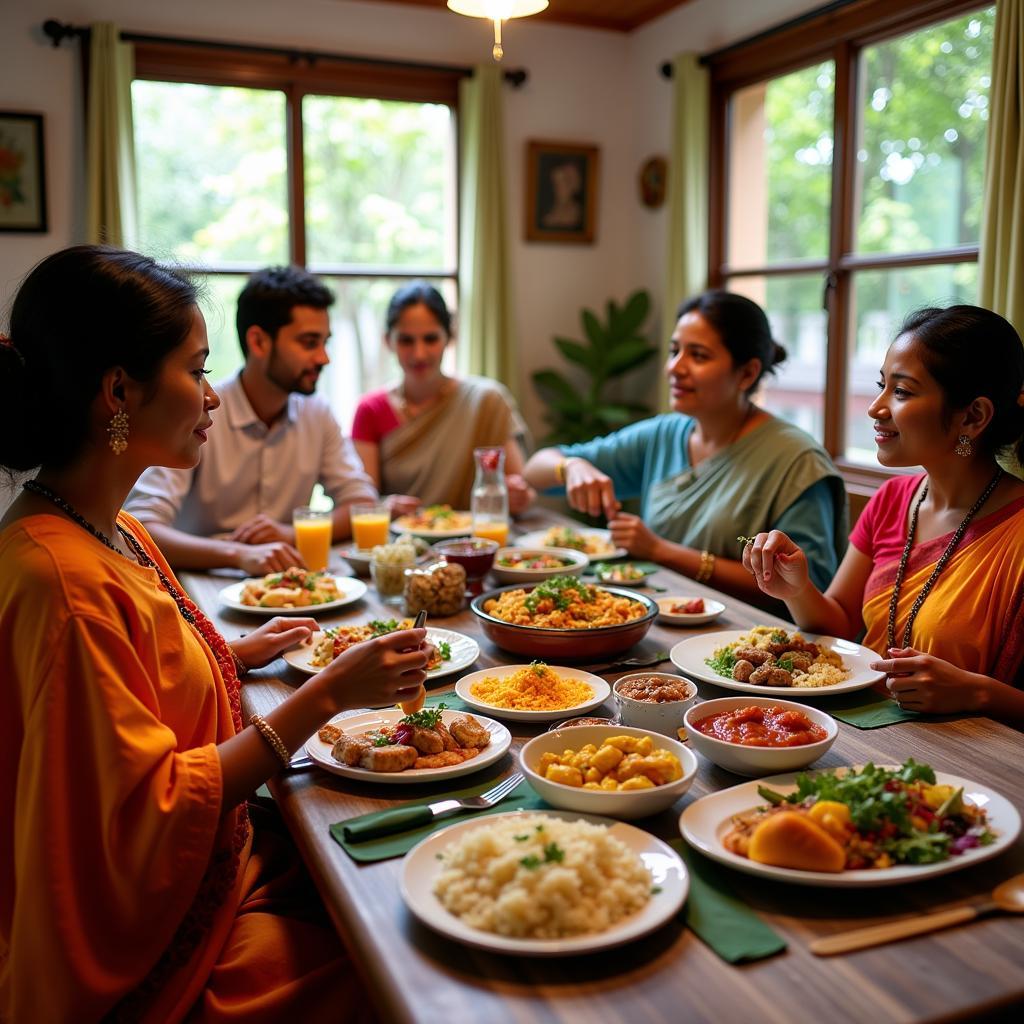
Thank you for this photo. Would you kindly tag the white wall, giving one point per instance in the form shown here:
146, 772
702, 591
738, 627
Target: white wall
584, 85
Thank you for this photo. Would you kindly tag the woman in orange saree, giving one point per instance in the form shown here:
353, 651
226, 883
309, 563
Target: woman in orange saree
934, 575
132, 884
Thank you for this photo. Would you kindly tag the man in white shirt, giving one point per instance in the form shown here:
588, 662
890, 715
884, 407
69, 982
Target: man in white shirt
271, 441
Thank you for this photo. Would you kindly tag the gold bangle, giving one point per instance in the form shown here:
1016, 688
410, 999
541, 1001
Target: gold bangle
707, 567
560, 471
241, 668
269, 733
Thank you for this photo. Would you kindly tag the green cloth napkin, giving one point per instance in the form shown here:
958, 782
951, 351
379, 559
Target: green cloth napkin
451, 700
718, 917
866, 710
522, 798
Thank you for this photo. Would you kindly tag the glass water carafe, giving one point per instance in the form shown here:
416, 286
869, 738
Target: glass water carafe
490, 495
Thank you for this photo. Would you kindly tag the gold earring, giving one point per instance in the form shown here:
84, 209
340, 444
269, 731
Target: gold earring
118, 431
963, 447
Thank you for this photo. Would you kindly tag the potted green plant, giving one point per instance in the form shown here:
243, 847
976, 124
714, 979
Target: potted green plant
612, 348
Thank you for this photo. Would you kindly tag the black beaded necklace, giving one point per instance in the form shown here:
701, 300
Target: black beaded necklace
939, 565
144, 560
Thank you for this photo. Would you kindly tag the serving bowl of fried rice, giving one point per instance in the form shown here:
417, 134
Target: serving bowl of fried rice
564, 619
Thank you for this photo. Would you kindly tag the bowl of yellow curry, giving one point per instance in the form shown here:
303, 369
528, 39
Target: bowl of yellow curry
564, 619
614, 770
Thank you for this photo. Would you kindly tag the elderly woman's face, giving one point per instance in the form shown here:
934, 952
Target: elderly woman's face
700, 369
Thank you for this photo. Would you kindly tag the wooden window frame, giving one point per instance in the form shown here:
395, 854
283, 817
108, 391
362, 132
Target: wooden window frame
839, 33
298, 75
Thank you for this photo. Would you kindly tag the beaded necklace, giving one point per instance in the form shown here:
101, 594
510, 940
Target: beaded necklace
939, 565
219, 878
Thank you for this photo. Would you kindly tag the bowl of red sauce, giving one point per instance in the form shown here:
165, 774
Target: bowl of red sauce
474, 554
759, 735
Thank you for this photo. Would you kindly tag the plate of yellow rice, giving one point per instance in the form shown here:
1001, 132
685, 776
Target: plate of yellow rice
532, 693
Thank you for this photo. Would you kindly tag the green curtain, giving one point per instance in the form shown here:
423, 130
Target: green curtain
1001, 257
687, 263
485, 343
111, 212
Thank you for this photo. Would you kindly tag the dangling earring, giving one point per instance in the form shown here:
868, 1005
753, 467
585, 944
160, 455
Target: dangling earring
118, 431
963, 447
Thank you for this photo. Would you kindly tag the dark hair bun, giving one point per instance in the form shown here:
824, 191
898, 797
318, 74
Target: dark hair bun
78, 313
779, 353
18, 450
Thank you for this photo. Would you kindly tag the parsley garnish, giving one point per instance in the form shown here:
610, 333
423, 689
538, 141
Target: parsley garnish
382, 626
445, 650
522, 839
722, 662
553, 854
561, 591
380, 739
427, 718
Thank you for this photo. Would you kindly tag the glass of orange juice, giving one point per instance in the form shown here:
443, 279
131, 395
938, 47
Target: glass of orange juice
371, 522
313, 529
492, 529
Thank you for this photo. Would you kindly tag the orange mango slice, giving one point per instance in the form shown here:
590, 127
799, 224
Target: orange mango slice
792, 840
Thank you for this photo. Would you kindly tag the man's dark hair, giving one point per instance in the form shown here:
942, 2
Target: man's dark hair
270, 295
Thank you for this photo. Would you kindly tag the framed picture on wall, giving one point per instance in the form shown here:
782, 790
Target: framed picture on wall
22, 173
561, 192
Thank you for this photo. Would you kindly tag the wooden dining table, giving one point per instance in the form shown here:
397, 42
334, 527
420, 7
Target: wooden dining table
971, 972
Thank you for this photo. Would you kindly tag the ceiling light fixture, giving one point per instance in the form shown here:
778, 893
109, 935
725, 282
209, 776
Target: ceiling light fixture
497, 11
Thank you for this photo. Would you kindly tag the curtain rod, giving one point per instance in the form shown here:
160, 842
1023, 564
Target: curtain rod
710, 58
58, 31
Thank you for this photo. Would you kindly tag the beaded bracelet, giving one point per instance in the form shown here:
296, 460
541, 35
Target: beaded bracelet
707, 567
269, 733
240, 666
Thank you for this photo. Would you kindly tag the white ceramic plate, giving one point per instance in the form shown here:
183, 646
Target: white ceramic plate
600, 688
351, 590
607, 579
712, 609
536, 540
689, 657
706, 821
465, 651
320, 752
402, 525
668, 873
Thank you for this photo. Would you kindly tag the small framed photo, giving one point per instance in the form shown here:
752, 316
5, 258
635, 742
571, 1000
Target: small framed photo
22, 173
561, 192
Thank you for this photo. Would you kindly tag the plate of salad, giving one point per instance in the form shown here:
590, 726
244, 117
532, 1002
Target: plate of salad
873, 825
447, 651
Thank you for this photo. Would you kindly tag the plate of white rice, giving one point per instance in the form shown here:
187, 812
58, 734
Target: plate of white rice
552, 883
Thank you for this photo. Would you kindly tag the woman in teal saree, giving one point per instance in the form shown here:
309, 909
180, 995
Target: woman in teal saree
716, 468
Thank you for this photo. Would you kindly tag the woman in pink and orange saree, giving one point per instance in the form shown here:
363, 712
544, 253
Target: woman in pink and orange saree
934, 575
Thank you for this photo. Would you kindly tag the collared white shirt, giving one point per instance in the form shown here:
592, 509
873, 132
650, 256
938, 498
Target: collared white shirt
247, 468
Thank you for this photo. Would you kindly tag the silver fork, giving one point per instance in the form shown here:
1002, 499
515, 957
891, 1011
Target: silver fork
401, 819
642, 661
